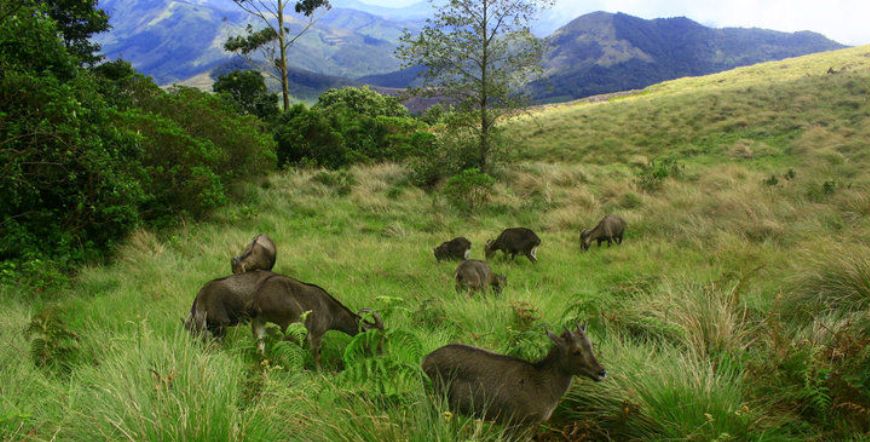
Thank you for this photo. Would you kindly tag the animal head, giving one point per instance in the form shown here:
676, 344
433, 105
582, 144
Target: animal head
238, 265
489, 248
585, 239
376, 323
499, 283
439, 252
575, 354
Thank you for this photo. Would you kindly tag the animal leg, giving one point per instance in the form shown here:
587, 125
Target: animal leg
619, 240
609, 241
259, 329
314, 345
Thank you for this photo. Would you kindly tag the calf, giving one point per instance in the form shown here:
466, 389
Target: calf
474, 275
259, 255
611, 228
514, 241
455, 249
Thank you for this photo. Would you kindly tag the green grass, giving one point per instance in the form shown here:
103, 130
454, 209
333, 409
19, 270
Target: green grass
735, 309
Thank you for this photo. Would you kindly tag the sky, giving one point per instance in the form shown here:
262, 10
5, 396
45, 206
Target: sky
846, 21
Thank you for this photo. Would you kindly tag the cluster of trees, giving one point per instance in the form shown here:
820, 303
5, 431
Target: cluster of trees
89, 153
92, 149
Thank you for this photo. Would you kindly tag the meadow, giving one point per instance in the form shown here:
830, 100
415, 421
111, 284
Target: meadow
738, 307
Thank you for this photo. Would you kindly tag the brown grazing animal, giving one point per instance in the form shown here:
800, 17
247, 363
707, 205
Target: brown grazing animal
259, 255
514, 241
455, 249
282, 301
610, 229
474, 275
507, 389
224, 302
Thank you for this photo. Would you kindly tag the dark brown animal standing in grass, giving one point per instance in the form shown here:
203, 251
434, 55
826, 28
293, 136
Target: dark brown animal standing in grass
610, 229
507, 389
224, 302
455, 249
282, 301
477, 276
259, 255
514, 241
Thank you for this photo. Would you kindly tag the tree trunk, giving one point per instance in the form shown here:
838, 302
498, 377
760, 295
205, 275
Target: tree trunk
282, 48
484, 92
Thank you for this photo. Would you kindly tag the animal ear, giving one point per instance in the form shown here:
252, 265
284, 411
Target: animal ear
581, 328
553, 337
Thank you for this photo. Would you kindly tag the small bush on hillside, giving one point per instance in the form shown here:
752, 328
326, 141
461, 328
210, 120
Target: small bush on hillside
470, 190
346, 126
341, 181
651, 177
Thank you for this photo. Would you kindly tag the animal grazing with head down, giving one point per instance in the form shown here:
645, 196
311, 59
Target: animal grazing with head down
282, 301
474, 275
455, 249
611, 228
514, 241
507, 389
259, 255
223, 303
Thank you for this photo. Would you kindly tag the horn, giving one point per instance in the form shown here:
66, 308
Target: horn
379, 322
552, 337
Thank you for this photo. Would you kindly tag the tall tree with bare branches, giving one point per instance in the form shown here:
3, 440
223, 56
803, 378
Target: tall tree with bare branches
478, 54
277, 36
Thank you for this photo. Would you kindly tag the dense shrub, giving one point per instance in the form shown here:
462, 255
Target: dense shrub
434, 158
469, 190
89, 155
67, 183
247, 91
346, 126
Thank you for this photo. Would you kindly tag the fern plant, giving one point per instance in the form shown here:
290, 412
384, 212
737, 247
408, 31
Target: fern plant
53, 346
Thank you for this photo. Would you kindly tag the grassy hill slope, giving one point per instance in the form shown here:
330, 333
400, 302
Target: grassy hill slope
736, 309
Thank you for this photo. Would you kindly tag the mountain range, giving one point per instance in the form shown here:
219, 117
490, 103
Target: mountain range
181, 41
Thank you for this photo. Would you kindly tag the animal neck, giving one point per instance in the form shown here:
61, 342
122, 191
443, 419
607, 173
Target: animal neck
556, 380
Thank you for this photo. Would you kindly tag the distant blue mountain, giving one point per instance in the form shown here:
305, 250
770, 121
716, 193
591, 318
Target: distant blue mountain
354, 43
601, 52
176, 40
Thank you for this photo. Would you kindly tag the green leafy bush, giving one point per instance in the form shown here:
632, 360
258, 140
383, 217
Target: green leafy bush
470, 190
651, 177
346, 126
89, 155
247, 91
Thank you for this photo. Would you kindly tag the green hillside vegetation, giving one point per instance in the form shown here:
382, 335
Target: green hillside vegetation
736, 309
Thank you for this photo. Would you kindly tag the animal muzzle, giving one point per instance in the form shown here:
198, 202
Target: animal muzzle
601, 375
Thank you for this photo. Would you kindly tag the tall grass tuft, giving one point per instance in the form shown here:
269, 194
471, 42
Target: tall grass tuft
150, 387
836, 279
